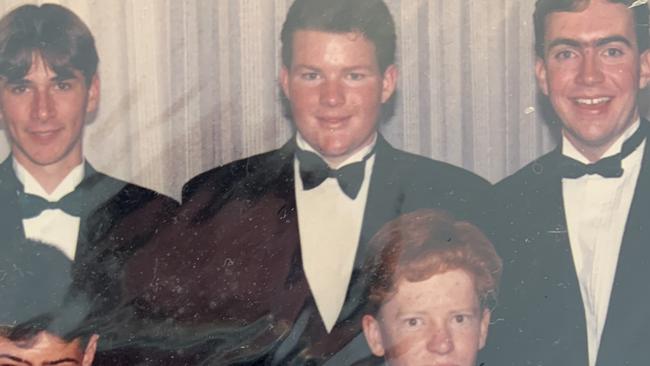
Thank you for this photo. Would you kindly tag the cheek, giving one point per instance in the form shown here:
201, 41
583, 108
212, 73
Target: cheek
468, 340
401, 344
303, 100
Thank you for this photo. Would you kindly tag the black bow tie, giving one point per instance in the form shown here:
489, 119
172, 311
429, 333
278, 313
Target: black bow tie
609, 167
313, 171
32, 205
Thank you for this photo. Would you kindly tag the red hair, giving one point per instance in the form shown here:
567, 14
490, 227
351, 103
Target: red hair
423, 243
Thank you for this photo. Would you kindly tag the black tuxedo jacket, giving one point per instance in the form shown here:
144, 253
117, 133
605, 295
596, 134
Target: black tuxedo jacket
117, 218
232, 264
540, 318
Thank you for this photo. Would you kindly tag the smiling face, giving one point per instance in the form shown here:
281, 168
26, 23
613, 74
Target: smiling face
592, 72
437, 321
46, 349
336, 91
44, 114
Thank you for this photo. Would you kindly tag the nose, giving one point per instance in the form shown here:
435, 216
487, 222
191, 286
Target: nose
43, 105
332, 93
440, 341
590, 72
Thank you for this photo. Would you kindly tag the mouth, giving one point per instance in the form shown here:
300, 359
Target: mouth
592, 105
592, 101
333, 122
44, 136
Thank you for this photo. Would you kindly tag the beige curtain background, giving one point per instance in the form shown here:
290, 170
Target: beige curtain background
188, 85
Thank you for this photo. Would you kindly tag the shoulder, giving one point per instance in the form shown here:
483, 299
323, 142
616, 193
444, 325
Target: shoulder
534, 175
253, 171
419, 169
125, 194
418, 182
7, 177
113, 203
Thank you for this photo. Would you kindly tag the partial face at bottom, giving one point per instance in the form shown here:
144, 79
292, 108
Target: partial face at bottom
46, 349
437, 321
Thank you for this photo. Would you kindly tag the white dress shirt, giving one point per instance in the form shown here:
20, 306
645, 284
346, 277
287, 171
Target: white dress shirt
329, 224
596, 212
54, 227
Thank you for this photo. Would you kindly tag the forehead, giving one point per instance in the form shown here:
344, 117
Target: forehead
599, 19
332, 47
40, 69
44, 347
454, 289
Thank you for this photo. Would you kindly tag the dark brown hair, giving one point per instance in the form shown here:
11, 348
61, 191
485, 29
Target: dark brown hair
545, 7
57, 324
368, 17
51, 31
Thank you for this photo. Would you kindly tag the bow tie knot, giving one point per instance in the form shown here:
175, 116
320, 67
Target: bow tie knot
314, 170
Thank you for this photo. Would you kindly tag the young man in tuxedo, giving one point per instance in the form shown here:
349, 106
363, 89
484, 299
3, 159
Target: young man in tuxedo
573, 232
48, 88
276, 241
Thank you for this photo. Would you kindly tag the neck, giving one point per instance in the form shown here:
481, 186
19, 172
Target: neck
336, 161
51, 175
595, 152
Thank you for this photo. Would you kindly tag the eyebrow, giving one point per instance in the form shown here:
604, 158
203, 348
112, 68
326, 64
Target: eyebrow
599, 42
349, 68
56, 362
15, 359
56, 79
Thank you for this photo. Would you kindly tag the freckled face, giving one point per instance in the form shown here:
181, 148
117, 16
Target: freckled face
592, 72
437, 321
336, 90
44, 114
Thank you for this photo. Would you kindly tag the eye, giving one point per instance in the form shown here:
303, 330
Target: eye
356, 76
460, 318
564, 55
413, 322
613, 52
309, 75
18, 89
63, 85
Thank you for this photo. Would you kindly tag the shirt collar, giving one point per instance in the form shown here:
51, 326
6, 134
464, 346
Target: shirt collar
31, 185
358, 156
569, 150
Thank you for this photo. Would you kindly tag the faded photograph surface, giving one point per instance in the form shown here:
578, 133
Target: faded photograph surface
309, 182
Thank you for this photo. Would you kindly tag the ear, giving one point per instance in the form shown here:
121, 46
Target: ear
284, 81
644, 69
93, 95
373, 335
91, 349
389, 82
540, 74
483, 331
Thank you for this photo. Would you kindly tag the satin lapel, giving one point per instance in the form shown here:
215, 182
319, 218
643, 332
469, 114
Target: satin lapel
284, 188
384, 202
627, 326
10, 217
549, 283
294, 303
95, 191
385, 197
